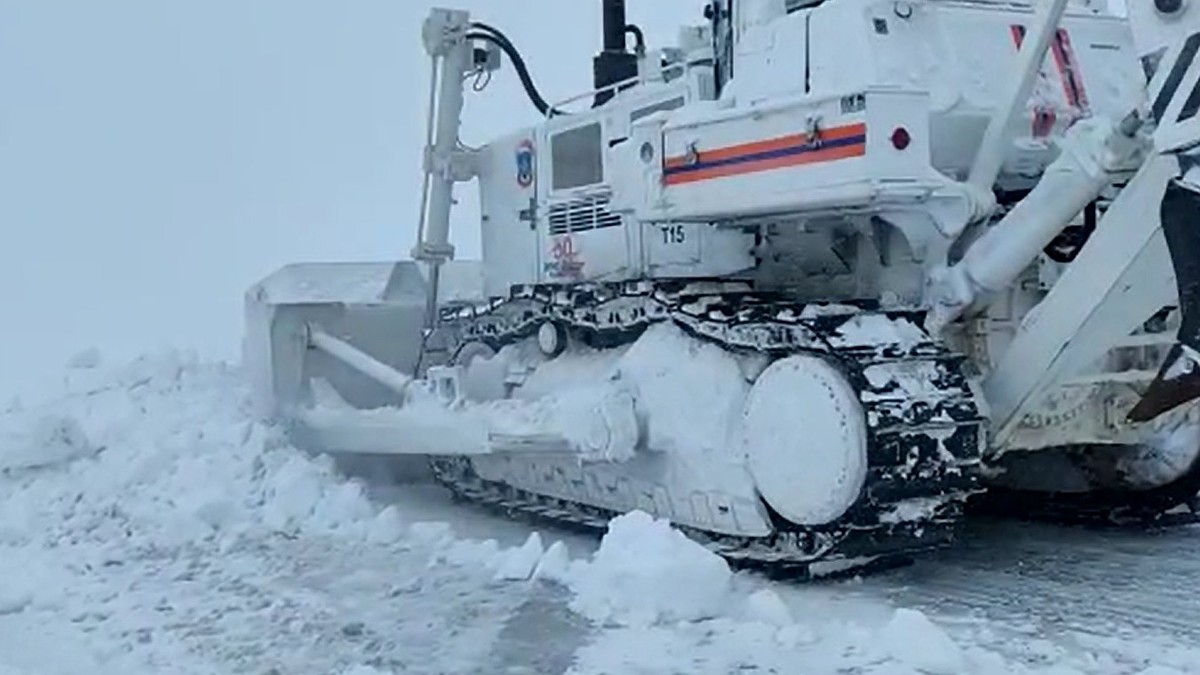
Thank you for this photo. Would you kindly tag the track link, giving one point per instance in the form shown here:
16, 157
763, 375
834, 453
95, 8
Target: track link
925, 423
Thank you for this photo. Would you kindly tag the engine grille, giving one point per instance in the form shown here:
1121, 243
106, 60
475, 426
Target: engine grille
581, 215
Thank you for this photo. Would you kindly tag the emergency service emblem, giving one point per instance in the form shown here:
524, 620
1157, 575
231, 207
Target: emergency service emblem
525, 164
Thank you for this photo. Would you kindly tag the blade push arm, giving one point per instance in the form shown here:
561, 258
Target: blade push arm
451, 58
450, 53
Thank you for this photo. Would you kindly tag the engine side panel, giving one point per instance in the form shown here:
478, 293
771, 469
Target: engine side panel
508, 199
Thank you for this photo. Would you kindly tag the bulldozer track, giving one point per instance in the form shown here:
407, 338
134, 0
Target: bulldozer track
923, 446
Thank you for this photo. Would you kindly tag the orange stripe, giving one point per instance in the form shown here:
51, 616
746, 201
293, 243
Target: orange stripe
756, 147
831, 154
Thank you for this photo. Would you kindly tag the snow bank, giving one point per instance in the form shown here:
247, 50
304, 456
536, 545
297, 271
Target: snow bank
646, 573
157, 469
163, 453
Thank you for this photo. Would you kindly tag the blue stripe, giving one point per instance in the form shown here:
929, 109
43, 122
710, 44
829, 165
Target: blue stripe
770, 154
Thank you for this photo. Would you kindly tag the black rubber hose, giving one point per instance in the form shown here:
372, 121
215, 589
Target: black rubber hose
486, 32
638, 36
1067, 245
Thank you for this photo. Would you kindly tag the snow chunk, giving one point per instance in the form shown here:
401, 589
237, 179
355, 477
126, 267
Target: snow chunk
46, 441
467, 553
646, 573
917, 508
875, 329
293, 492
518, 564
343, 507
911, 638
765, 606
435, 534
387, 527
554, 564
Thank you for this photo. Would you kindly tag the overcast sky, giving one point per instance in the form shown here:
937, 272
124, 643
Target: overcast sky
156, 158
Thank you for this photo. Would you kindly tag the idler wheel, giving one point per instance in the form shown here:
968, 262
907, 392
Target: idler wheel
804, 437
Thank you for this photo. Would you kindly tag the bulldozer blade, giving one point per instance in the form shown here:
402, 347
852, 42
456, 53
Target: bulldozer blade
1178, 380
372, 309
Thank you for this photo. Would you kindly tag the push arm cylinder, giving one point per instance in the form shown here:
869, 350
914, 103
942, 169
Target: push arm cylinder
1091, 151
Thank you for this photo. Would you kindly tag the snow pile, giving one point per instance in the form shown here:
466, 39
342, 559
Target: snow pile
554, 564
146, 520
30, 440
911, 638
387, 527
163, 453
145, 516
765, 606
646, 573
518, 564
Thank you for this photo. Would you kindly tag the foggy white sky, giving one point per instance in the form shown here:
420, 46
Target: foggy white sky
156, 158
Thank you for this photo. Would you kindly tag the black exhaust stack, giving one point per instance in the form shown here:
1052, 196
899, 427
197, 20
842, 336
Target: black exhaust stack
615, 63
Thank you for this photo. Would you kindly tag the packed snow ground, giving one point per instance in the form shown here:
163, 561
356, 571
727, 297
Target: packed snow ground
148, 524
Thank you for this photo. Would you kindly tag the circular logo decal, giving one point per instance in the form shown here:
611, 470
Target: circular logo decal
525, 164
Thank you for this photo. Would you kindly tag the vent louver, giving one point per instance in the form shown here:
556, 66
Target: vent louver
581, 215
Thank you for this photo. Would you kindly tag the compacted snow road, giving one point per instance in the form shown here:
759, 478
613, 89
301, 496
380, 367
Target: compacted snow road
1064, 578
148, 525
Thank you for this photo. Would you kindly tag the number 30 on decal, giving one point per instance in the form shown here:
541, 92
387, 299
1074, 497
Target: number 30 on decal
674, 234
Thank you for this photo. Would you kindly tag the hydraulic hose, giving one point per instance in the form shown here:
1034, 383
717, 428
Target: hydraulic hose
485, 32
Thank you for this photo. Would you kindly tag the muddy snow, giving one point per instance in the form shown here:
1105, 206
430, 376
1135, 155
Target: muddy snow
148, 524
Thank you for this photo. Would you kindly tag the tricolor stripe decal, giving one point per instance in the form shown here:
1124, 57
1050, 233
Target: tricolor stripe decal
776, 153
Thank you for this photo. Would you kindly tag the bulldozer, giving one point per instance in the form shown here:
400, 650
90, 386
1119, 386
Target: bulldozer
812, 283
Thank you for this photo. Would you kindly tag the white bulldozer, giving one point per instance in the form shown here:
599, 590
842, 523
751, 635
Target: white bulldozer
809, 283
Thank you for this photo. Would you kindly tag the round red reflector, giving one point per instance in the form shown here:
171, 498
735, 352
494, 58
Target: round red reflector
901, 138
